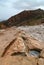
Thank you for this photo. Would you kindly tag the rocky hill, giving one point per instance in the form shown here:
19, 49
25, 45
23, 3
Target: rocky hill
27, 17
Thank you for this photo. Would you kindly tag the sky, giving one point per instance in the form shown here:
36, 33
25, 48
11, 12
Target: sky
9, 8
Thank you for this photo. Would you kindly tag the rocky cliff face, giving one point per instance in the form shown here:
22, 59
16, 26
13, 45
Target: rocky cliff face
29, 17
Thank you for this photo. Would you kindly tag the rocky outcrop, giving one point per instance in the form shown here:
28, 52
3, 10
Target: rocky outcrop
22, 43
19, 48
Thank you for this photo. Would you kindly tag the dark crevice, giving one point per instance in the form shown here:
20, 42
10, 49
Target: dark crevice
19, 53
41, 57
23, 38
37, 64
8, 47
38, 50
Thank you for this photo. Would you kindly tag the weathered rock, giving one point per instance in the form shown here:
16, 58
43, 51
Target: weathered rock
18, 60
31, 42
42, 53
15, 46
22, 43
40, 61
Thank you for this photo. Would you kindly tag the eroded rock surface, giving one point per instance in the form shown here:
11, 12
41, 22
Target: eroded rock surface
42, 53
41, 61
16, 45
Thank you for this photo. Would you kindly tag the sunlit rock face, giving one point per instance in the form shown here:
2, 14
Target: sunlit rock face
42, 53
17, 45
21, 42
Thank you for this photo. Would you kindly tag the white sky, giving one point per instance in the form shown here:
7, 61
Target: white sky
9, 8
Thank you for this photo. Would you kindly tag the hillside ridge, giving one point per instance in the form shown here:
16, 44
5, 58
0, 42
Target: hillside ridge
26, 17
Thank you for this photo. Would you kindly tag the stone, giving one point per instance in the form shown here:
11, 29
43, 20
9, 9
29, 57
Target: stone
22, 43
40, 61
18, 60
15, 46
42, 53
32, 43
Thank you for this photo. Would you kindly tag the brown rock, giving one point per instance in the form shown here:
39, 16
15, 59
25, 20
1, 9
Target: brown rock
41, 61
22, 43
15, 46
18, 60
42, 53
31, 42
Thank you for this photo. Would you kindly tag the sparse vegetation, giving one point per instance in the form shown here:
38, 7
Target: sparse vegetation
33, 17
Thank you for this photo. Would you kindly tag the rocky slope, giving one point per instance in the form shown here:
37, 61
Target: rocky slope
27, 17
